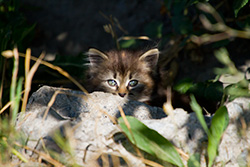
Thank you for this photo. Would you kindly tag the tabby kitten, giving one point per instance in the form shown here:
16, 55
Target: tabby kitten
129, 74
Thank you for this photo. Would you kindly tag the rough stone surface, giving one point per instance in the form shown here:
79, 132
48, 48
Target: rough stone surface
87, 121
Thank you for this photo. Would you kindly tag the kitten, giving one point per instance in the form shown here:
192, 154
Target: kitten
129, 74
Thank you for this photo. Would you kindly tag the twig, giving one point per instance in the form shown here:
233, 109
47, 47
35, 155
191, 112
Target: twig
61, 71
130, 131
29, 73
225, 32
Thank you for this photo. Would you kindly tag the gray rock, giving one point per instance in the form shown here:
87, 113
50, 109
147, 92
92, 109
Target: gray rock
88, 122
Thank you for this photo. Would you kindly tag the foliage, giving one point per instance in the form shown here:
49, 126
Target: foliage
149, 140
197, 22
153, 143
200, 23
14, 29
218, 126
212, 90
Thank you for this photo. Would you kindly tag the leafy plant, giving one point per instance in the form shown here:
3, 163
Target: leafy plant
237, 83
218, 126
153, 143
149, 140
14, 31
238, 5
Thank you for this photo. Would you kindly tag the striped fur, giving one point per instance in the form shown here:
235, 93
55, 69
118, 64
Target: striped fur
126, 73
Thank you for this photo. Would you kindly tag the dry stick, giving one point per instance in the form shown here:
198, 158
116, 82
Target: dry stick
225, 31
53, 98
6, 106
110, 28
51, 102
85, 153
209, 9
151, 163
129, 128
137, 150
29, 73
115, 159
13, 150
113, 119
133, 37
210, 38
167, 106
184, 155
61, 71
27, 62
43, 156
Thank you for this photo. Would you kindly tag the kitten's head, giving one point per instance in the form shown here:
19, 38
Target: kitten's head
124, 73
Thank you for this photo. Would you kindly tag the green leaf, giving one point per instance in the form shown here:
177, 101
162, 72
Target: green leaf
198, 111
218, 126
223, 56
238, 4
182, 24
194, 160
154, 29
150, 141
209, 90
183, 86
17, 100
239, 89
127, 43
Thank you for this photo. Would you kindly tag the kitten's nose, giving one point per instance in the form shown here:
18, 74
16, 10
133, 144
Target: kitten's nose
122, 94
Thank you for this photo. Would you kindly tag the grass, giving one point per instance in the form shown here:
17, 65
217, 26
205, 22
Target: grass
10, 138
19, 96
20, 87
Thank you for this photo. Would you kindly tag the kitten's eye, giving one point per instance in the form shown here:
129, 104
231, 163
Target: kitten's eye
132, 83
112, 82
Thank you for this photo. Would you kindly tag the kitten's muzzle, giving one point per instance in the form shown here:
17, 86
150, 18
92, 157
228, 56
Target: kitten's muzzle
122, 94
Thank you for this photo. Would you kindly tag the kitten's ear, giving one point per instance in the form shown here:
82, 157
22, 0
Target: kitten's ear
150, 57
96, 56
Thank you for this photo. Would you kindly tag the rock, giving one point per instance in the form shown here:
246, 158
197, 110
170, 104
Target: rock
89, 124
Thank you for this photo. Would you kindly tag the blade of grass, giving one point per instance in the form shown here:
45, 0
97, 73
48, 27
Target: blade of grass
27, 62
8, 53
218, 125
43, 156
19, 155
14, 77
151, 163
13, 150
194, 160
5, 107
129, 129
150, 141
198, 111
17, 101
29, 73
61, 71
2, 83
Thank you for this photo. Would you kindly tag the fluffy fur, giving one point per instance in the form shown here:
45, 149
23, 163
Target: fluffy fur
128, 74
